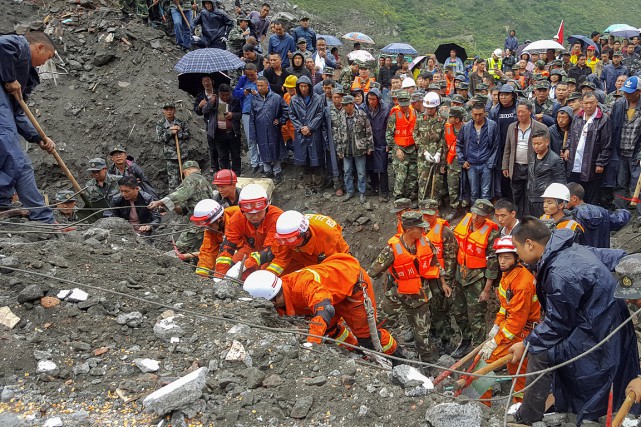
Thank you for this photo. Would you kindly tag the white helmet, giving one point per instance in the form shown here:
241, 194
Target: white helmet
504, 245
557, 191
253, 198
431, 100
498, 52
408, 82
262, 284
291, 223
206, 212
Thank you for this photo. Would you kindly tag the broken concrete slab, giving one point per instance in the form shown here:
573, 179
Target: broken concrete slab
404, 374
177, 394
7, 318
147, 365
454, 415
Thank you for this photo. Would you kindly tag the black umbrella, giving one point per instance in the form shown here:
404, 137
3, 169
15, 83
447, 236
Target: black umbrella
443, 52
192, 82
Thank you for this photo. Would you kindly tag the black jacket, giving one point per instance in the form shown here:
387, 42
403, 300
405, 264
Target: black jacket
542, 173
211, 109
121, 209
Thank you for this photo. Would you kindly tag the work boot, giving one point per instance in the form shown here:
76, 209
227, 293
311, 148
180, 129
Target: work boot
445, 347
463, 348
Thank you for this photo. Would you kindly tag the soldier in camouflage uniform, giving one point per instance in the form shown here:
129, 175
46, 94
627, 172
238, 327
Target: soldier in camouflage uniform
335, 109
166, 130
457, 201
65, 212
193, 189
347, 76
238, 36
459, 101
102, 187
400, 140
354, 142
430, 141
443, 239
543, 105
411, 295
475, 274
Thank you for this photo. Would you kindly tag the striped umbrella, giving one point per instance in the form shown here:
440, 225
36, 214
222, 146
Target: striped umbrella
358, 37
208, 61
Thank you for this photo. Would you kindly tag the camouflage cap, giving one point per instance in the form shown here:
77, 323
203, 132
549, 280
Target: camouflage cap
394, 93
190, 164
458, 99
462, 86
458, 112
417, 96
542, 85
428, 206
96, 164
482, 207
557, 62
328, 71
479, 97
433, 86
556, 71
628, 274
347, 99
243, 18
400, 205
617, 53
442, 84
570, 80
573, 96
338, 90
540, 63
301, 40
65, 196
118, 148
516, 67
459, 77
403, 98
482, 86
587, 84
413, 219
168, 104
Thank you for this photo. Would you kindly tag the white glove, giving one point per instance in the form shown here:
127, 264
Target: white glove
437, 157
493, 331
429, 157
488, 349
234, 271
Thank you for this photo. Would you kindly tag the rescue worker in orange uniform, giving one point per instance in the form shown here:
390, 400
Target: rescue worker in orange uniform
249, 231
304, 240
475, 274
411, 264
520, 311
400, 139
555, 201
326, 292
444, 241
226, 192
211, 216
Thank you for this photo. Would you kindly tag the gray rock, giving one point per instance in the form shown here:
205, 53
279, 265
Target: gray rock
103, 58
8, 419
30, 293
53, 422
254, 377
454, 415
41, 354
301, 407
178, 419
177, 394
317, 381
8, 261
81, 369
239, 328
246, 399
418, 391
80, 346
147, 365
133, 319
362, 411
98, 371
225, 290
405, 374
7, 394
274, 380
155, 44
99, 234
554, 419
167, 328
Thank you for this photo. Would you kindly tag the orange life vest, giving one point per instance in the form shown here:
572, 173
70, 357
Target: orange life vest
473, 244
566, 223
435, 235
450, 140
362, 84
408, 269
404, 131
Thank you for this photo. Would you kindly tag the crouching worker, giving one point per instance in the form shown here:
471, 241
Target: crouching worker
520, 311
337, 288
212, 217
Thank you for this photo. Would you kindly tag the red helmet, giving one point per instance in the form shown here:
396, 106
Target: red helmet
225, 177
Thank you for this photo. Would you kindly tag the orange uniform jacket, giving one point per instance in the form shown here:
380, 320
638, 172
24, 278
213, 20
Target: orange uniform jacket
240, 232
516, 318
288, 131
211, 245
326, 240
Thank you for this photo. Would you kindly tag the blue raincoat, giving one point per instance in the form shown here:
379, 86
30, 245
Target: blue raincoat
597, 223
268, 136
576, 291
377, 162
308, 111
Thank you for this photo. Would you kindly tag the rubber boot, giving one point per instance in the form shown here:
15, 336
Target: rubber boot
463, 348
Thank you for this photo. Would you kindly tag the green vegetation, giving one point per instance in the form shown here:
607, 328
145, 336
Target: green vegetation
479, 25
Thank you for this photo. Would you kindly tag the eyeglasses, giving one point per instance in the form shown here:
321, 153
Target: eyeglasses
252, 206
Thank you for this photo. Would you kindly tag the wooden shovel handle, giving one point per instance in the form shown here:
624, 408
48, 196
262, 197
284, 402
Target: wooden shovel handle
458, 364
637, 190
625, 408
488, 368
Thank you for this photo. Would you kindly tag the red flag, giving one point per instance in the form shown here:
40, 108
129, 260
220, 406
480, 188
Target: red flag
559, 34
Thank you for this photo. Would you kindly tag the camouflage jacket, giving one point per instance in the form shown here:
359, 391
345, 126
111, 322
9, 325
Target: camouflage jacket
467, 276
389, 136
105, 192
164, 135
346, 78
235, 40
354, 134
62, 219
429, 136
546, 108
335, 114
193, 189
450, 251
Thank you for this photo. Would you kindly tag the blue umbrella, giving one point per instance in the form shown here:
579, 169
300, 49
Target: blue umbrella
583, 40
622, 30
397, 48
331, 40
208, 61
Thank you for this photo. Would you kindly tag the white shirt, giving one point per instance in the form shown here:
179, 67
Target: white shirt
504, 231
578, 157
523, 138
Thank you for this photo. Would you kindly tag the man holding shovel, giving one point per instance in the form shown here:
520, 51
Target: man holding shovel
18, 57
173, 133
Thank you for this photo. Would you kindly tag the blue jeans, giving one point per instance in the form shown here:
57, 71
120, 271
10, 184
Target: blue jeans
254, 155
480, 177
348, 168
183, 33
27, 190
272, 167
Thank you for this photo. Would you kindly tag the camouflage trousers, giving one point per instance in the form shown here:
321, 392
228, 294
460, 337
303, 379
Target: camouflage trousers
440, 309
173, 174
469, 312
430, 180
417, 310
190, 240
405, 176
454, 185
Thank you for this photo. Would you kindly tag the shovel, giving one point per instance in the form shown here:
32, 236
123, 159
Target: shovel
55, 154
483, 383
458, 364
625, 408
